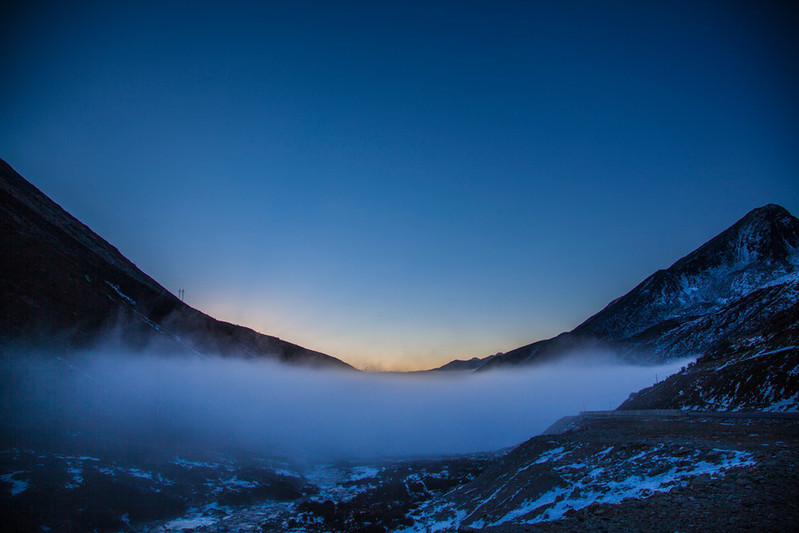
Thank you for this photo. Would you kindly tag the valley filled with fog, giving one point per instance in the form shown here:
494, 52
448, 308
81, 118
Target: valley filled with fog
263, 408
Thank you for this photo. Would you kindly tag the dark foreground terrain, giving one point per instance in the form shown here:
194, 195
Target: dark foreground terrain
668, 474
651, 473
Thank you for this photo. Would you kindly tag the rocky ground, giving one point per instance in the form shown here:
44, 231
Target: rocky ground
602, 474
761, 493
65, 491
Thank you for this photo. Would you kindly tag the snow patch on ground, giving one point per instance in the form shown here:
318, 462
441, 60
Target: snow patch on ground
182, 524
363, 472
339, 484
17, 485
194, 464
555, 503
657, 469
77, 477
551, 455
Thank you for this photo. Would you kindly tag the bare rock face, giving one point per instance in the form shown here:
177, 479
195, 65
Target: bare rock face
63, 286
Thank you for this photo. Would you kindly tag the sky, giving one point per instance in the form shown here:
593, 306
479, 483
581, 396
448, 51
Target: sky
399, 184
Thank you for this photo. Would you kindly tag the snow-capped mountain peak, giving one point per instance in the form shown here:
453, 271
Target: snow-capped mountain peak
754, 252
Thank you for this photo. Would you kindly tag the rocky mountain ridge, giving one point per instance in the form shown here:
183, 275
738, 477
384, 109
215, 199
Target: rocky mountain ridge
730, 287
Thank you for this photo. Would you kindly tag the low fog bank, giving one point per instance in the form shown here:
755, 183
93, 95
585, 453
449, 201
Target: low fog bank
268, 409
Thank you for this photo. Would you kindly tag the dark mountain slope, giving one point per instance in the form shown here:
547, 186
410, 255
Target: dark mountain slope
548, 350
731, 287
62, 285
746, 373
464, 364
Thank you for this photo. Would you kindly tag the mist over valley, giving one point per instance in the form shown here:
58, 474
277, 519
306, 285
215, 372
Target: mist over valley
262, 407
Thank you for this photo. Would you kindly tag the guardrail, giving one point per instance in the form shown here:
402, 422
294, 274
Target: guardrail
691, 413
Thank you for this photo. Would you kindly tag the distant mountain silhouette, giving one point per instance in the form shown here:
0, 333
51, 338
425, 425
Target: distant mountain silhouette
464, 364
732, 287
63, 286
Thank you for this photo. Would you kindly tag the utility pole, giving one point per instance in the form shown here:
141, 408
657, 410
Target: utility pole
181, 293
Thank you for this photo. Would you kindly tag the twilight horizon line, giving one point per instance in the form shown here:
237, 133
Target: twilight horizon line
370, 366
489, 353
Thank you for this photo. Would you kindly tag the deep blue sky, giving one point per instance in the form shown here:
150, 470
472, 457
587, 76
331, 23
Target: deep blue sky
400, 183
